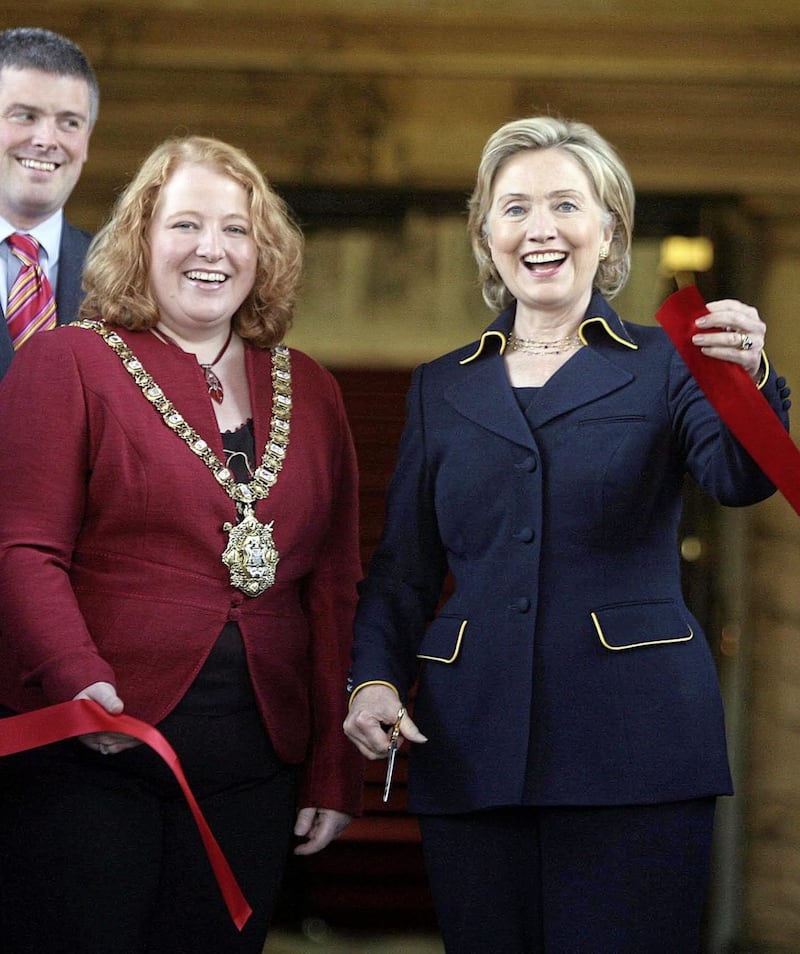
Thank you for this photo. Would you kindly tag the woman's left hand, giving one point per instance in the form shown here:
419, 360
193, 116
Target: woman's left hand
319, 827
732, 331
106, 743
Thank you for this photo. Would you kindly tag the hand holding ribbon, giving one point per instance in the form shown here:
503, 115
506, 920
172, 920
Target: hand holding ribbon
82, 716
735, 397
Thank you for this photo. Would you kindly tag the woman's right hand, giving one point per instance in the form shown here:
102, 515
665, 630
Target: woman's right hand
373, 713
106, 743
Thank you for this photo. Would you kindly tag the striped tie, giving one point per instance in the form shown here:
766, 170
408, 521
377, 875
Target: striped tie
31, 304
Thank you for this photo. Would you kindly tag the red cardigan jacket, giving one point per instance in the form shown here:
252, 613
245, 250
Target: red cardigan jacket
111, 540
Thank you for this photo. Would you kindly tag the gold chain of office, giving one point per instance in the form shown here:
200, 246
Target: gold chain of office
251, 555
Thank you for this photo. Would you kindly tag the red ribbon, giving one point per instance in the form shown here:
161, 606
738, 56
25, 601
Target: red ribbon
68, 719
735, 397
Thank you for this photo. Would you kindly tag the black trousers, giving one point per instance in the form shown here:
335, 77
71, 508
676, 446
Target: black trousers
564, 880
100, 854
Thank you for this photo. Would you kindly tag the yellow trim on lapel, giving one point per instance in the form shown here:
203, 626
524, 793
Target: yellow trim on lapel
482, 342
604, 324
503, 341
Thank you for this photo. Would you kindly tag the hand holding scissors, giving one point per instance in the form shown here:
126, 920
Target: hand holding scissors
378, 723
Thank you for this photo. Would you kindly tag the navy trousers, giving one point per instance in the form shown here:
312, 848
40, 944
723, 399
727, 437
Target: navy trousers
571, 880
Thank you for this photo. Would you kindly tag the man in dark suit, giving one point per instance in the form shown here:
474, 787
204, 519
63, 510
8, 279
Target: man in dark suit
48, 106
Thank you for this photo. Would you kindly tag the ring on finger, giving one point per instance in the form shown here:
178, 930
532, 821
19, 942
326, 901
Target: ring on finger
746, 343
103, 748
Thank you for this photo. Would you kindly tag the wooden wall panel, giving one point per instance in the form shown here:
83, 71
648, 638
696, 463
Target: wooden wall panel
698, 97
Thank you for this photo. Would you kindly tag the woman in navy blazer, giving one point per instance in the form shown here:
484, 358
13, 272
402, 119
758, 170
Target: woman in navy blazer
178, 537
568, 727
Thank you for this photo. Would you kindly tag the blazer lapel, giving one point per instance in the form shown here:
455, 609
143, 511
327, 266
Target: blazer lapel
72, 251
483, 394
6, 348
258, 364
586, 377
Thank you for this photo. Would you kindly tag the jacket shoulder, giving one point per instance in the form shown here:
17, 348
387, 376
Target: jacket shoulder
310, 371
314, 380
446, 364
651, 336
645, 345
75, 240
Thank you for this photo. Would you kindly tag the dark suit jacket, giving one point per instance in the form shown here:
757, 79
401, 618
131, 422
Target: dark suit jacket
74, 244
111, 536
566, 667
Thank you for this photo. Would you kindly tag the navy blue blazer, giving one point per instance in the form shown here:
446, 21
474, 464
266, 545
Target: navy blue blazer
73, 247
566, 667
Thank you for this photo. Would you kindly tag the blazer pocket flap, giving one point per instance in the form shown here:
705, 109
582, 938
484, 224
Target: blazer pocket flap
442, 641
633, 625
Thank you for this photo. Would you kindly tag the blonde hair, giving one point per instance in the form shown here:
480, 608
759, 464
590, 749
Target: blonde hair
609, 179
116, 273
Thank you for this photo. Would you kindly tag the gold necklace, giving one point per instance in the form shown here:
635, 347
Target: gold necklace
250, 555
531, 346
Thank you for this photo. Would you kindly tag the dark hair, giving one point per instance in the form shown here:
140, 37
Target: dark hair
32, 48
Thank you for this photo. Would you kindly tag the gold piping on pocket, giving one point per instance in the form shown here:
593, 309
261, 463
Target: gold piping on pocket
441, 659
648, 642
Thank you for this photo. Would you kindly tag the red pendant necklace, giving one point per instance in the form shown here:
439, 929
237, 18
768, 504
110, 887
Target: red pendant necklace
213, 383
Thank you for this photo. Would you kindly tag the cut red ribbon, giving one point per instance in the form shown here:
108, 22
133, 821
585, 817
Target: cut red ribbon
68, 719
733, 394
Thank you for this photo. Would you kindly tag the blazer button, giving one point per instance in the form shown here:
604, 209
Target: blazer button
523, 604
530, 464
525, 535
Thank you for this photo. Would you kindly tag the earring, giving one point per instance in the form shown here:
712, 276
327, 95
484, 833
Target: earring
603, 253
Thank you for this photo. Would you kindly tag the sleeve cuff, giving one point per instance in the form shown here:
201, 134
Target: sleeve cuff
373, 682
765, 365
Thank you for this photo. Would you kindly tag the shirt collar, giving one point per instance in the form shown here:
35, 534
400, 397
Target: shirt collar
47, 234
600, 318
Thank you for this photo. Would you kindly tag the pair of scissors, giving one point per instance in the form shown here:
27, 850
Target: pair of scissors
392, 753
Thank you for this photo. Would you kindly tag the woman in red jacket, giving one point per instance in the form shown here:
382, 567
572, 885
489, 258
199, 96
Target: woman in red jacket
178, 539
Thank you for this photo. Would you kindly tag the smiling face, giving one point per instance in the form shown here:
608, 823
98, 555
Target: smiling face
44, 142
203, 256
545, 232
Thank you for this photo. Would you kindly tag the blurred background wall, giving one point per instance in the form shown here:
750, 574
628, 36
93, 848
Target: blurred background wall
369, 117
